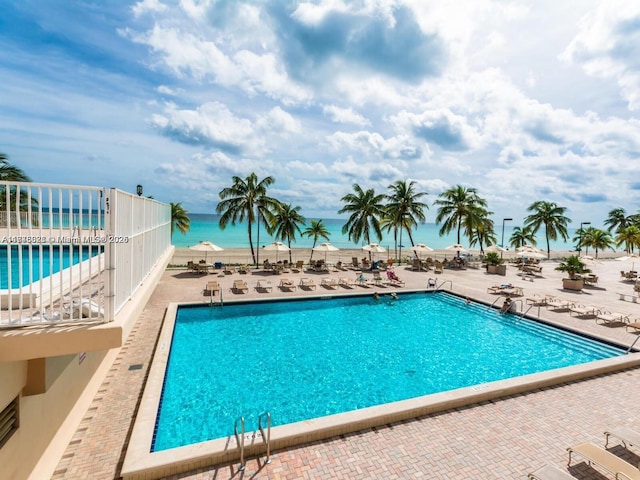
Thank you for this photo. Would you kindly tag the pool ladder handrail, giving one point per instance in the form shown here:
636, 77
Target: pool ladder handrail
212, 302
266, 439
240, 440
438, 287
632, 345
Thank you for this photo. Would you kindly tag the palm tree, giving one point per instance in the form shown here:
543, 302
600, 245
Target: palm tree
480, 229
629, 237
366, 210
286, 222
247, 198
179, 218
404, 210
598, 239
317, 230
522, 236
581, 238
617, 220
11, 173
455, 205
551, 216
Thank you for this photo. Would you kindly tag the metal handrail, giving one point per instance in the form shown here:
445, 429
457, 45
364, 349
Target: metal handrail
266, 439
631, 346
240, 440
446, 281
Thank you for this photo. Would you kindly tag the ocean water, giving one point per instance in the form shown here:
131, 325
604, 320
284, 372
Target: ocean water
206, 227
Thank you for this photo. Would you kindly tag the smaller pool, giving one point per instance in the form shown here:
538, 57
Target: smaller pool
29, 258
312, 358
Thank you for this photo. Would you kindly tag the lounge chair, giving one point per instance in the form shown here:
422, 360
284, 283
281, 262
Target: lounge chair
513, 292
549, 473
392, 279
240, 286
307, 283
229, 270
363, 281
264, 286
211, 288
634, 325
286, 284
626, 435
559, 304
329, 283
244, 269
347, 282
611, 317
439, 268
584, 310
297, 268
537, 300
495, 289
606, 460
86, 308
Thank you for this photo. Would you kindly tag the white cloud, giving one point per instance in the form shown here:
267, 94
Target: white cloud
608, 46
344, 115
146, 6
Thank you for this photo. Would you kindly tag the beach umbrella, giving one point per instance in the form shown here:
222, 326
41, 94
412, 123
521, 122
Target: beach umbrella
495, 249
373, 248
325, 247
421, 248
206, 246
457, 247
276, 247
530, 254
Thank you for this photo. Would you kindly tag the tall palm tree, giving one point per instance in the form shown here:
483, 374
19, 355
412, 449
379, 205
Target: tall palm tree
404, 209
366, 209
629, 237
479, 227
522, 236
598, 239
316, 230
551, 216
286, 223
582, 238
247, 198
455, 205
617, 220
179, 218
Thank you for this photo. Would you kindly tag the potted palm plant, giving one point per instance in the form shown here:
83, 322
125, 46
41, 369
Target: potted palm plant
573, 266
495, 264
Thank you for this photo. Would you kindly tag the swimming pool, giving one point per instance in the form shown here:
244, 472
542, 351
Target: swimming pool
54, 258
312, 358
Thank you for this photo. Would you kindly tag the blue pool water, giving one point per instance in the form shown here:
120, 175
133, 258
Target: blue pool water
310, 358
60, 257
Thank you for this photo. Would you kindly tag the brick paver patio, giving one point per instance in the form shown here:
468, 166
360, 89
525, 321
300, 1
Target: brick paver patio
501, 439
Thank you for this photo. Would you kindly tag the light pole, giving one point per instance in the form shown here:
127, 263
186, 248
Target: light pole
580, 237
502, 241
139, 190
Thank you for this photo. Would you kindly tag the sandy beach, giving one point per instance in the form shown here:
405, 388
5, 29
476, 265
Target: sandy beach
242, 256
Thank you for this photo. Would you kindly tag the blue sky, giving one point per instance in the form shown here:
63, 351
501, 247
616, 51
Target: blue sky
524, 100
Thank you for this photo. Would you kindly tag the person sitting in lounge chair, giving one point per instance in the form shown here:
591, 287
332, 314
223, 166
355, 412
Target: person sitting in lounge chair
391, 275
507, 305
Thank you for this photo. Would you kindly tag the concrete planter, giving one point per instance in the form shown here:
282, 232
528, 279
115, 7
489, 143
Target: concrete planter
572, 284
497, 269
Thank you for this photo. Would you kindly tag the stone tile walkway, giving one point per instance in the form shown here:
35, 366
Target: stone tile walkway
501, 439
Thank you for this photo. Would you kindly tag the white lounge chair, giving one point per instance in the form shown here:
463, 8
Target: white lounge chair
331, 283
611, 317
549, 473
347, 282
606, 460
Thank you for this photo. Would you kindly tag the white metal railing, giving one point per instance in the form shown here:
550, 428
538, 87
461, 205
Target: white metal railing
74, 253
